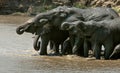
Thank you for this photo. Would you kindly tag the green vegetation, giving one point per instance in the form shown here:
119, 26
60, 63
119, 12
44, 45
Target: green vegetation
117, 9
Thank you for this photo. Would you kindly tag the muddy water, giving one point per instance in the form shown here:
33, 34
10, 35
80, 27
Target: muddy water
17, 56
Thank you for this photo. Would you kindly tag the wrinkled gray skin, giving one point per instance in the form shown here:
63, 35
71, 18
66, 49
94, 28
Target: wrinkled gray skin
100, 33
75, 14
38, 25
116, 53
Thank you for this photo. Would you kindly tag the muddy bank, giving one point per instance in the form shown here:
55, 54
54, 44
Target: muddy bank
11, 19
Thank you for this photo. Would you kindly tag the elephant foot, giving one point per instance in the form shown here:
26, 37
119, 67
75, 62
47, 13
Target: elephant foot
54, 54
41, 53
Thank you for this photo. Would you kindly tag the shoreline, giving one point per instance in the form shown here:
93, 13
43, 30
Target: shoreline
13, 19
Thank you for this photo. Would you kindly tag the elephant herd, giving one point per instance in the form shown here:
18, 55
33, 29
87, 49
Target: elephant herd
72, 30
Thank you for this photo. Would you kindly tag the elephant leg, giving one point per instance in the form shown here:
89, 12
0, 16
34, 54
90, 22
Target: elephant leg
64, 50
67, 48
78, 46
72, 40
44, 43
108, 49
75, 46
97, 50
51, 45
61, 49
86, 48
56, 47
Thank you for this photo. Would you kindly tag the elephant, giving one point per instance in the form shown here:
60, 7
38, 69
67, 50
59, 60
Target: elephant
55, 35
33, 24
99, 33
46, 32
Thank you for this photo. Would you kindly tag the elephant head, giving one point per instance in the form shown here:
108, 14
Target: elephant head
71, 27
83, 28
28, 26
34, 23
89, 28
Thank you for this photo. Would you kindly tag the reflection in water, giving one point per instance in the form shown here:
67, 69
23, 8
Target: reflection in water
16, 57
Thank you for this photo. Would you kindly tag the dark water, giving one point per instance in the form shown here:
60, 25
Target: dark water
16, 56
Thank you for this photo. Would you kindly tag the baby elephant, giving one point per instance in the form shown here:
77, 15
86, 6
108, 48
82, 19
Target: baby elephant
106, 33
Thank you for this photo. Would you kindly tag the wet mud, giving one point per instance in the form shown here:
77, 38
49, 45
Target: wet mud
18, 56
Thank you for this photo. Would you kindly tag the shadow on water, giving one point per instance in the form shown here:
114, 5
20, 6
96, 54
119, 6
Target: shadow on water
16, 57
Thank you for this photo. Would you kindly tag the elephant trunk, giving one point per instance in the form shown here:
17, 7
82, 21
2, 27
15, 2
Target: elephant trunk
20, 30
36, 43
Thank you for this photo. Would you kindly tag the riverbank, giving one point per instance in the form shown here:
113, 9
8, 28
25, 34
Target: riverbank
14, 19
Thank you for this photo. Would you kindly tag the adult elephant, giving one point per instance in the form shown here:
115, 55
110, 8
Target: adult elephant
100, 33
47, 33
